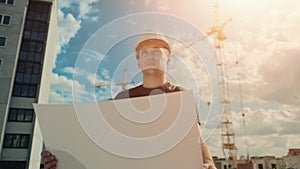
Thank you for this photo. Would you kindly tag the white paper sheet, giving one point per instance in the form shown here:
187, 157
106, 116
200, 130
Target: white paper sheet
158, 131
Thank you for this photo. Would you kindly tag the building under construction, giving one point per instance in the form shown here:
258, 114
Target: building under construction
290, 161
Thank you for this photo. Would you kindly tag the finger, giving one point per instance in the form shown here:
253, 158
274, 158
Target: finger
54, 167
48, 159
50, 165
45, 153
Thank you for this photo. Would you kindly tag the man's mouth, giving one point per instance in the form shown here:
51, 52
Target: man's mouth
151, 63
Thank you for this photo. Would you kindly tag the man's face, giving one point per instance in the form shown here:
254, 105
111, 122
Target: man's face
152, 58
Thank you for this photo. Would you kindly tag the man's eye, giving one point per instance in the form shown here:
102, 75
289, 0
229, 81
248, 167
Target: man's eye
156, 51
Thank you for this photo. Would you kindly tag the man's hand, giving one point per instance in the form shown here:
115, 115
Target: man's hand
209, 166
49, 160
207, 158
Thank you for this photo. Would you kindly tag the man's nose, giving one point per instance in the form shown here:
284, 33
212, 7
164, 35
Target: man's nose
150, 55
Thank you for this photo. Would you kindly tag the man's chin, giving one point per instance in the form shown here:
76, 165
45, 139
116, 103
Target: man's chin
152, 69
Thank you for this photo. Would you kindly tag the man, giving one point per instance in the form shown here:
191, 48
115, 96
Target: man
153, 53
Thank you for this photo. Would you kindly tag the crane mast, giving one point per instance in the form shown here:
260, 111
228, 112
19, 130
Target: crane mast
228, 135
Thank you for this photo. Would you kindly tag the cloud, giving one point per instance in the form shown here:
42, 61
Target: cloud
69, 25
160, 5
255, 146
266, 131
93, 78
267, 49
84, 7
281, 77
268, 73
105, 74
94, 18
91, 56
81, 87
163, 5
67, 29
197, 79
68, 70
62, 90
281, 121
148, 2
188, 66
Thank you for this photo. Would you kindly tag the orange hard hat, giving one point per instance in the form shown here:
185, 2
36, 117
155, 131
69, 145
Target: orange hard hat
153, 37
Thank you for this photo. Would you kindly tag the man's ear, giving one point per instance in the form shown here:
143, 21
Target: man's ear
169, 59
137, 60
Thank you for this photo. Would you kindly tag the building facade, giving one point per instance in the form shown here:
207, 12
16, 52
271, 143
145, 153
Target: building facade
292, 160
266, 162
28, 31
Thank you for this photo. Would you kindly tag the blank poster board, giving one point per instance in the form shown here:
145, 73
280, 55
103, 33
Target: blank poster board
153, 132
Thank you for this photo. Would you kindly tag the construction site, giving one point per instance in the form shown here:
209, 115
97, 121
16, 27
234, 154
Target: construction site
232, 158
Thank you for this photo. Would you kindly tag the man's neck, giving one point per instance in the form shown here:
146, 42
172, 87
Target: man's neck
153, 80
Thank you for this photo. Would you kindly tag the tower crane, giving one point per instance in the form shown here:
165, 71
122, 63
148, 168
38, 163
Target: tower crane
123, 83
228, 135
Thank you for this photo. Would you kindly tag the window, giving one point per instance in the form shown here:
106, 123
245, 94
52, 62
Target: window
27, 75
32, 46
2, 41
28, 72
4, 19
12, 164
16, 140
20, 115
29, 68
25, 90
10, 2
35, 30
7, 1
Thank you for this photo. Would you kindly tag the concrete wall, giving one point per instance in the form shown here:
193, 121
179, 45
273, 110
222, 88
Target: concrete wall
292, 161
9, 55
265, 162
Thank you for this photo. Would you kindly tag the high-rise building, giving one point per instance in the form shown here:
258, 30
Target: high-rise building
28, 30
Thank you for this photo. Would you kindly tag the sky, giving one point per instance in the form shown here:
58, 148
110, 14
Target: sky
96, 40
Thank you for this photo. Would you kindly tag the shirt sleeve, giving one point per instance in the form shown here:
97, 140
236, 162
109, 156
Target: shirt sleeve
122, 95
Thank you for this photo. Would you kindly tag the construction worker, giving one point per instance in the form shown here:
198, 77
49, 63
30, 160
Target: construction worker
153, 54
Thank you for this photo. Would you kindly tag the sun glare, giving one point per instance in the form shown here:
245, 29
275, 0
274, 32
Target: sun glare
258, 5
